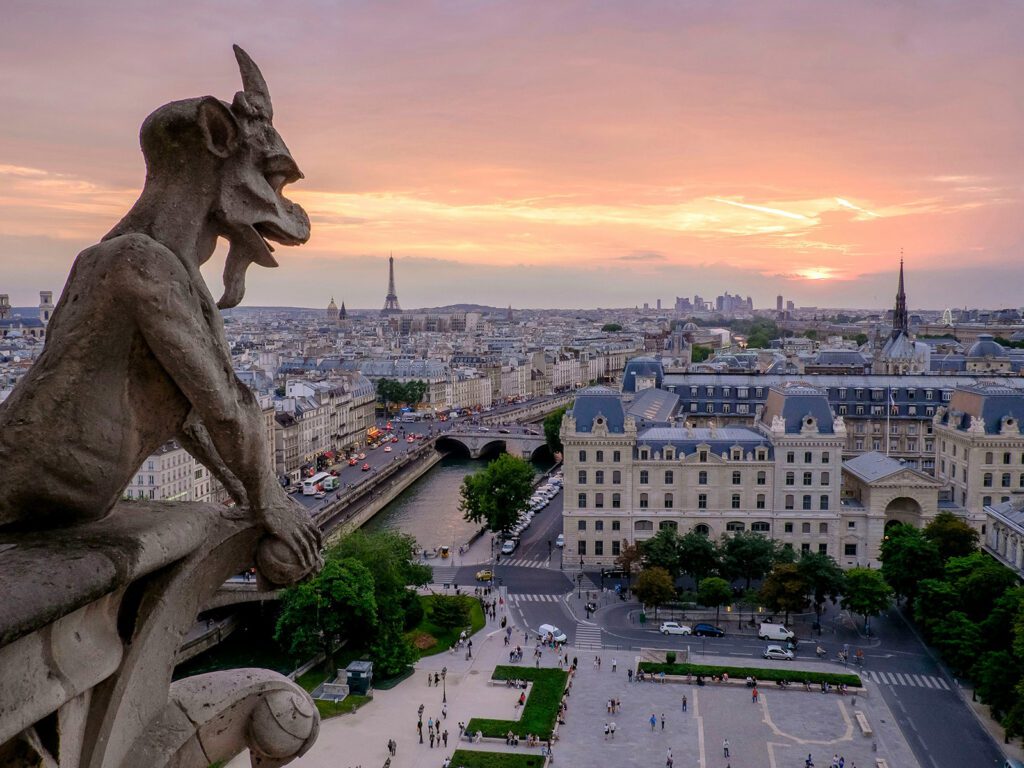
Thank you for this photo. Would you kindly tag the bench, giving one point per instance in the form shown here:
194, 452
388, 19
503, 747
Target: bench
862, 721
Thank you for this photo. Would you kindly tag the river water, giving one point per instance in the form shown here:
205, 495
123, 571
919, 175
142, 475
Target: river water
429, 508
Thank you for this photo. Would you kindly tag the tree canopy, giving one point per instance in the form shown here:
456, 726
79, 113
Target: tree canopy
611, 328
336, 604
391, 391
654, 586
908, 558
823, 577
785, 589
747, 555
952, 536
552, 427
698, 555
714, 591
662, 551
867, 594
496, 495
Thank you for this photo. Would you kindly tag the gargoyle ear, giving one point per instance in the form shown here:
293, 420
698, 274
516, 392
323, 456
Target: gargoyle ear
219, 127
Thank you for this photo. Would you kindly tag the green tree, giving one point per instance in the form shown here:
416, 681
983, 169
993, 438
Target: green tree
980, 581
908, 558
415, 391
390, 557
867, 593
811, 334
611, 328
935, 600
449, 611
336, 604
700, 354
996, 674
714, 591
390, 651
824, 579
959, 642
785, 589
951, 535
654, 586
662, 551
497, 494
747, 555
389, 391
552, 428
861, 339
698, 556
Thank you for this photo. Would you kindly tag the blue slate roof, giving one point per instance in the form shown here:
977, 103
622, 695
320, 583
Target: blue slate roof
718, 441
599, 401
794, 403
989, 402
642, 366
653, 406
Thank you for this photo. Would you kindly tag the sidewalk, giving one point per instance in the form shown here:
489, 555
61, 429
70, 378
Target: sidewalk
360, 739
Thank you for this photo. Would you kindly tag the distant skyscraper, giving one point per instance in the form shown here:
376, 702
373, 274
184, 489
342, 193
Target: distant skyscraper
659, 305
790, 306
778, 303
391, 300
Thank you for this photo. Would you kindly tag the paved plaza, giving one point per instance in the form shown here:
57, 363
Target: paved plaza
778, 731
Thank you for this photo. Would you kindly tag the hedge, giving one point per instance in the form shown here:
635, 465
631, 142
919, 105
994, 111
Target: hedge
772, 674
466, 758
541, 708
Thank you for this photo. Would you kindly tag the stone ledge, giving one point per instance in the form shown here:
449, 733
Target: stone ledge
49, 574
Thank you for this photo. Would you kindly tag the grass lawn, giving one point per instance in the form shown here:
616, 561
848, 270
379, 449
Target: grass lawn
773, 673
467, 758
428, 638
541, 708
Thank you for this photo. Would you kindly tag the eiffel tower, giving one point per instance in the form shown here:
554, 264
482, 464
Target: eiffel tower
391, 300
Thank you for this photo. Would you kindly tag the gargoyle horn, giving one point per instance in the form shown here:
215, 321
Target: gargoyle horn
255, 91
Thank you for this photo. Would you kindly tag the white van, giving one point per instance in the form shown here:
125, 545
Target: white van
775, 632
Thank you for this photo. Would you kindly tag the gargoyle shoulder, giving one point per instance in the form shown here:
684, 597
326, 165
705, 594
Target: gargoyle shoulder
138, 257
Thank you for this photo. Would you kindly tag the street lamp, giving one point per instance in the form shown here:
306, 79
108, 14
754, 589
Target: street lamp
444, 687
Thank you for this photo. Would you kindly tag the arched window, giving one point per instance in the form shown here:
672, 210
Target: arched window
599, 477
808, 478
616, 477
790, 478
762, 478
583, 455
668, 501
581, 501
702, 501
735, 501
702, 529
599, 500
643, 501
669, 477
582, 477
666, 525
1006, 480
760, 501
789, 501
823, 501
702, 478
644, 477
616, 501
643, 525
737, 478
825, 478
988, 457
987, 480
807, 501
735, 526
599, 456
760, 527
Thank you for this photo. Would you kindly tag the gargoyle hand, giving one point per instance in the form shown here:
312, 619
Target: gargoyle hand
287, 524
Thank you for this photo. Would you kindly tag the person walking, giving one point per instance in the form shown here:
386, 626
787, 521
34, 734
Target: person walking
668, 758
444, 711
725, 748
753, 695
663, 721
653, 721
684, 703
615, 663
607, 730
444, 737
613, 730
431, 739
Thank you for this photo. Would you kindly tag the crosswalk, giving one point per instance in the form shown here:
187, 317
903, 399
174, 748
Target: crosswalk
587, 636
905, 678
444, 574
525, 562
534, 598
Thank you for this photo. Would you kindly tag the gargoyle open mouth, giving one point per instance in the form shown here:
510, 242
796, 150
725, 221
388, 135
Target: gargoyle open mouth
272, 232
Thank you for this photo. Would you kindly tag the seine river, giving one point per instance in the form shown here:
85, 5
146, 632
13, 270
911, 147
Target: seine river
429, 509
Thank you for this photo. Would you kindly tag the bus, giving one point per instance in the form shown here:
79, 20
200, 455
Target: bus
309, 485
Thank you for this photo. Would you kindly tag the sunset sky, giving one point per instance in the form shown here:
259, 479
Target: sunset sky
547, 154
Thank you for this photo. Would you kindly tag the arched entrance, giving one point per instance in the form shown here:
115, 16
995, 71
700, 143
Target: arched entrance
903, 509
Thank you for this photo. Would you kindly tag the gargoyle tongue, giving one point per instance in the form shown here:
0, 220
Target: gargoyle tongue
247, 247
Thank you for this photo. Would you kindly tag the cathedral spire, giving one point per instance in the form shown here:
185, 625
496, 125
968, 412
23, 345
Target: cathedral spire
900, 322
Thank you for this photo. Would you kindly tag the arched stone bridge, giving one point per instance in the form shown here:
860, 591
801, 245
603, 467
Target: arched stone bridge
478, 443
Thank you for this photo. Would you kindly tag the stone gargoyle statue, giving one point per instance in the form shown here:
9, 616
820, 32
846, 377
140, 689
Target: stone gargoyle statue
135, 351
98, 595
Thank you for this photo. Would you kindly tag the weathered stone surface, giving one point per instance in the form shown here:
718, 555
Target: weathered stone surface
96, 598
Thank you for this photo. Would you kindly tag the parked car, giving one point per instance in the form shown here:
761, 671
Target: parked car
708, 630
560, 540
508, 547
366, 467
777, 652
485, 575
387, 449
550, 629
774, 632
674, 628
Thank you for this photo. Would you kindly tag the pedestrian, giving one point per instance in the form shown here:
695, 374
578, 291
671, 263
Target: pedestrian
437, 679
430, 723
430, 679
607, 730
431, 739
725, 748
684, 703
753, 694
663, 721
613, 730
444, 737
668, 758
653, 721
615, 663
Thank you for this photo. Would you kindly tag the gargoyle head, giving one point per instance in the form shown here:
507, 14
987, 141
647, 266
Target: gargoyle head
234, 153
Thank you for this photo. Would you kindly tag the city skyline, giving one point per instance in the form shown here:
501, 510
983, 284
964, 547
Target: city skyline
567, 156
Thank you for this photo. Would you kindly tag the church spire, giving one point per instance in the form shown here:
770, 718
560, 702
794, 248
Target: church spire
900, 322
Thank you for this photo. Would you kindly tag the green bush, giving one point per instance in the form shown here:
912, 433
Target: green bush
670, 657
773, 674
466, 758
541, 708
